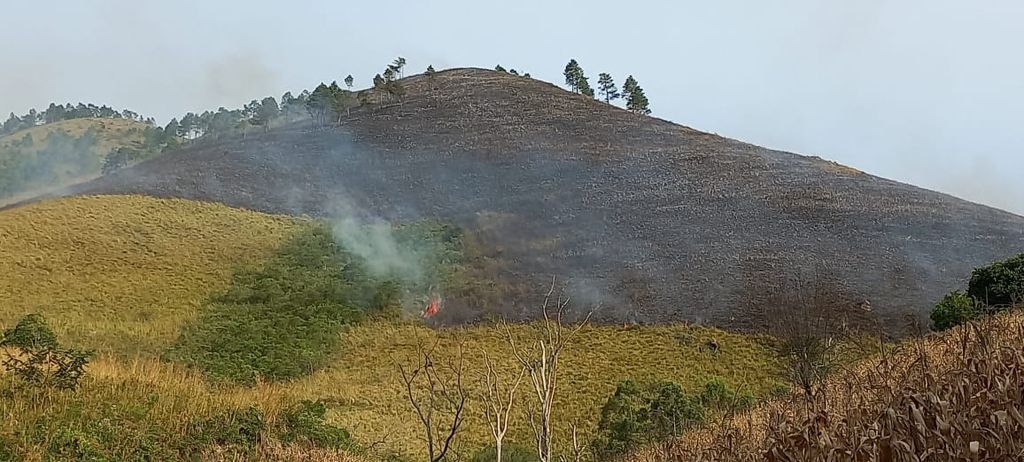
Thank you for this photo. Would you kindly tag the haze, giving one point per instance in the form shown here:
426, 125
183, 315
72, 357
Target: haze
927, 92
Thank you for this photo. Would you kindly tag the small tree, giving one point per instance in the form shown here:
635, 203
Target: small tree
430, 71
37, 358
437, 394
572, 74
636, 101
397, 66
636, 415
540, 360
606, 87
954, 309
348, 81
498, 399
499, 68
999, 284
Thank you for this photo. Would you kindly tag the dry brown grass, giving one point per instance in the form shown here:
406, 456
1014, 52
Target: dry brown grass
952, 396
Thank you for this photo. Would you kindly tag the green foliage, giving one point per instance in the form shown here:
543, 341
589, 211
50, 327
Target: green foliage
718, 395
305, 423
236, 427
637, 414
954, 309
284, 319
510, 452
37, 358
31, 332
606, 87
999, 284
281, 320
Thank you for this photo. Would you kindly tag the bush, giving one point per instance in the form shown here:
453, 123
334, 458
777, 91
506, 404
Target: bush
636, 415
718, 395
305, 422
954, 309
510, 452
999, 284
30, 333
38, 359
236, 427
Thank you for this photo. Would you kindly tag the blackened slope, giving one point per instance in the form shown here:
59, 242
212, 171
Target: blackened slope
658, 221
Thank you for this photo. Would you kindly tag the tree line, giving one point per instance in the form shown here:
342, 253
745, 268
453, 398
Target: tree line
636, 99
57, 113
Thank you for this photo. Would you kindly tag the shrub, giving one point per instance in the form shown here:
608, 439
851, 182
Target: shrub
236, 427
999, 284
510, 452
954, 309
636, 415
31, 332
38, 359
305, 422
718, 395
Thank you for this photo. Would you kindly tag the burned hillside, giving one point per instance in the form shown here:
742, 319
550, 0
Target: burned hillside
654, 221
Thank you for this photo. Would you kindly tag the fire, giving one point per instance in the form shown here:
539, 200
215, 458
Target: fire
433, 307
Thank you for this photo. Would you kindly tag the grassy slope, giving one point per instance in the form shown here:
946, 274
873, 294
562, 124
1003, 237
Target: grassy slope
110, 133
121, 274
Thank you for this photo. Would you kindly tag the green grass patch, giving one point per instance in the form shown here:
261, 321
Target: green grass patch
284, 319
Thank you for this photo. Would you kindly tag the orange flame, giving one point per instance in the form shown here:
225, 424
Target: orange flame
433, 307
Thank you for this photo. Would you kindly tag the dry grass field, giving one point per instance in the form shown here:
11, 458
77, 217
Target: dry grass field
110, 133
120, 274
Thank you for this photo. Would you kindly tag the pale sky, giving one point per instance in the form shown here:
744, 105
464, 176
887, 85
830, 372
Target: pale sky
930, 92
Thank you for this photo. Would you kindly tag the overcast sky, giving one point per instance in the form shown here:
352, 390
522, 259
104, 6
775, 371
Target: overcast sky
929, 92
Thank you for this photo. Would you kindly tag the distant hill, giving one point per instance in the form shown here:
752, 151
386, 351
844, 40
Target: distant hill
655, 221
55, 155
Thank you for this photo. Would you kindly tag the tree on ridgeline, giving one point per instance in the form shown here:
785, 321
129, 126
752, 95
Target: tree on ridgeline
636, 99
576, 79
629, 86
319, 104
349, 81
398, 66
499, 68
606, 86
513, 72
267, 111
572, 75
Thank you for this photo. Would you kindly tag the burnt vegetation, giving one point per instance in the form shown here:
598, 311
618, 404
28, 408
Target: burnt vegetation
561, 184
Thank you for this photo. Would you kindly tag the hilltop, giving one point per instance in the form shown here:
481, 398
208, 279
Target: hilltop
51, 156
655, 221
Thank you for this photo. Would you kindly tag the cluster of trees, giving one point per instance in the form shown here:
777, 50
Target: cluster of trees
499, 68
57, 113
991, 289
636, 99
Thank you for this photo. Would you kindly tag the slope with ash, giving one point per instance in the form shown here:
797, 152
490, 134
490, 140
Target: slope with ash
655, 221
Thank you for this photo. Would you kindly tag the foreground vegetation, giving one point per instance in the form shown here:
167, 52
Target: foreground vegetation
153, 288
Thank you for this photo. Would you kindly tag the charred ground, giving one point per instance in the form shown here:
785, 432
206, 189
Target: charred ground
655, 221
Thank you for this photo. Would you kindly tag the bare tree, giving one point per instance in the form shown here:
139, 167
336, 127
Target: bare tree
808, 324
498, 401
438, 396
540, 360
579, 447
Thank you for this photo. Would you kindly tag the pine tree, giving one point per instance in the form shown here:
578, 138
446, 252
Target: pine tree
584, 86
606, 86
430, 72
637, 101
499, 68
348, 81
572, 75
629, 86
397, 65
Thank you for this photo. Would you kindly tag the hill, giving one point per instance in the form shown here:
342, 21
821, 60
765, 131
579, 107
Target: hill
124, 275
52, 156
656, 221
